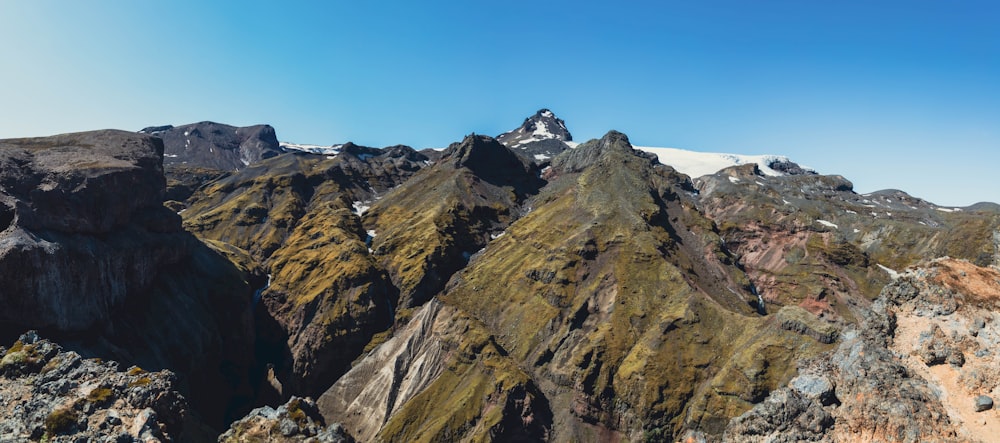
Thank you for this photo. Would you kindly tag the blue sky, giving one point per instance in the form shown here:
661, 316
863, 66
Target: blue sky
890, 94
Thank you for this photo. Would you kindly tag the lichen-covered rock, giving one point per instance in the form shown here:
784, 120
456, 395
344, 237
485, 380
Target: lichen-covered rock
298, 420
883, 385
425, 231
298, 216
53, 395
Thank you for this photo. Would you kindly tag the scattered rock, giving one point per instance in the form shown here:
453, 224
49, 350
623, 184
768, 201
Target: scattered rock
298, 420
56, 395
984, 403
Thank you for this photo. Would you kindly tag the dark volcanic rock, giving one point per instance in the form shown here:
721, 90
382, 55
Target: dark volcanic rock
214, 145
89, 253
541, 137
790, 168
60, 265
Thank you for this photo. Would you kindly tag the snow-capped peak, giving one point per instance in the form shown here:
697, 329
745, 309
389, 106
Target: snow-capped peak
543, 125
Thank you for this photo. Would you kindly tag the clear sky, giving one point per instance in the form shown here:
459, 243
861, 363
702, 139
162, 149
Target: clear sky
890, 94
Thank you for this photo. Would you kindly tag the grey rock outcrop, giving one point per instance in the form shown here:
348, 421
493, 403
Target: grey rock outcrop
55, 395
215, 145
984, 403
298, 420
860, 391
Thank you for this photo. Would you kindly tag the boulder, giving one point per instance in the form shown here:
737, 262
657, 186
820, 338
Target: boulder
984, 403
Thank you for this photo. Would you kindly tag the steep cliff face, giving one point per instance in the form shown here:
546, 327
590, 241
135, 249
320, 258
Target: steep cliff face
73, 246
90, 255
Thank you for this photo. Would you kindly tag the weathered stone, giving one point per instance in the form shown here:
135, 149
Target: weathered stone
56, 393
984, 403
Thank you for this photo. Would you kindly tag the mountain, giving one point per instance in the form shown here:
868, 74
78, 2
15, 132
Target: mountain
90, 257
539, 138
606, 292
214, 145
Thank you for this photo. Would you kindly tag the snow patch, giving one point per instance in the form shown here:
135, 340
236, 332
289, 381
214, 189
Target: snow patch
946, 209
734, 179
828, 224
893, 274
542, 131
312, 149
359, 208
170, 155
541, 157
696, 164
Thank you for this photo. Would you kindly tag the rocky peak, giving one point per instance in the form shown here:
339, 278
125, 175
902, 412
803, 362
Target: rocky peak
544, 125
215, 145
541, 137
486, 157
589, 153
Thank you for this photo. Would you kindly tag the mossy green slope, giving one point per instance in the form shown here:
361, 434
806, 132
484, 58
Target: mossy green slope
428, 229
293, 214
615, 296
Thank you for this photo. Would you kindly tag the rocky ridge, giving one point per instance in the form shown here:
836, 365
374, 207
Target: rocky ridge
92, 257
214, 145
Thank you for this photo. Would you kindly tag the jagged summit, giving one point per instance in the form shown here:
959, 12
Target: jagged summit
540, 137
589, 153
544, 125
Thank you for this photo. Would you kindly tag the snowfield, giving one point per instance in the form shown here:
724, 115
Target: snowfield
697, 164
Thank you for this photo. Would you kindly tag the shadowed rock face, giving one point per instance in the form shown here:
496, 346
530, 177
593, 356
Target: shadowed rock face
216, 146
75, 245
91, 255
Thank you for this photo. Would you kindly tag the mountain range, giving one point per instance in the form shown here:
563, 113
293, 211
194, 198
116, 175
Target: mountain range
209, 283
